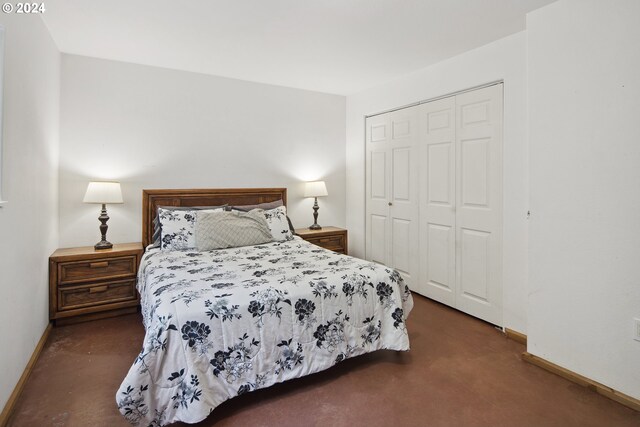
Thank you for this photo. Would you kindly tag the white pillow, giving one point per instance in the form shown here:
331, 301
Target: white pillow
278, 224
178, 228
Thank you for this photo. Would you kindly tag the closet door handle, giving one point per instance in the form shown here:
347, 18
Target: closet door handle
390, 204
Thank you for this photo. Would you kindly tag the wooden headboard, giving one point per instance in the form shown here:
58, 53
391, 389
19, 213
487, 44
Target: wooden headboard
151, 199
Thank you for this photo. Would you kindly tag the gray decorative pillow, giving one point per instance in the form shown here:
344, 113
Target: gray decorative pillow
178, 228
157, 226
220, 230
265, 206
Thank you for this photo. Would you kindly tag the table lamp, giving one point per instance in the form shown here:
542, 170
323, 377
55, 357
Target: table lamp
315, 189
103, 193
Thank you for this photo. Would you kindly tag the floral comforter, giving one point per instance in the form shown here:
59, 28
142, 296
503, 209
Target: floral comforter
226, 322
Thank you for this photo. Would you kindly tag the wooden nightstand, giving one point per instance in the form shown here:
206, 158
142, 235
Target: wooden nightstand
332, 238
86, 284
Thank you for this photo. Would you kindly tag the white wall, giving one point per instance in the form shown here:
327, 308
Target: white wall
29, 221
584, 89
504, 59
151, 127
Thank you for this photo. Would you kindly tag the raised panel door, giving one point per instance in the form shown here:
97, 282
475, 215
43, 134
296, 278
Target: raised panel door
437, 155
392, 191
479, 203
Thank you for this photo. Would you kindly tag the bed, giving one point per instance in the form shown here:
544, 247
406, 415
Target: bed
225, 322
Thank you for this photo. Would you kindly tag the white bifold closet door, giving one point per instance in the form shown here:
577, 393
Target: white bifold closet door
392, 233
438, 200
456, 168
461, 202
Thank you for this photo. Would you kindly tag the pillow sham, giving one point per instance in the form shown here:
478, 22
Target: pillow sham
265, 206
278, 223
221, 230
157, 227
178, 228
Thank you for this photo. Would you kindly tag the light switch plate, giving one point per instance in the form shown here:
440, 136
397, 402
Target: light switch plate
636, 329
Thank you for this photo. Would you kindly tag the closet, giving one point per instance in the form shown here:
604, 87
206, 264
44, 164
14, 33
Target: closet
434, 198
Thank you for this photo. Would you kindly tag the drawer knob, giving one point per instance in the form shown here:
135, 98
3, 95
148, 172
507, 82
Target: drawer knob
103, 264
98, 289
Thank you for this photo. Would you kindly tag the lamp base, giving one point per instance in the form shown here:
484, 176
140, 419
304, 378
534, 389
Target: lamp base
103, 218
315, 225
103, 244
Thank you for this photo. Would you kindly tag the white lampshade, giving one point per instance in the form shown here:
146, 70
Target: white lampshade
315, 189
103, 192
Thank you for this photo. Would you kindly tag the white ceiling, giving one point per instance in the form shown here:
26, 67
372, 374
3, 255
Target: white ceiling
334, 46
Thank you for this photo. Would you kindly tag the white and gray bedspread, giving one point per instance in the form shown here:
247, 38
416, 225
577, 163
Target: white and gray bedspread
225, 322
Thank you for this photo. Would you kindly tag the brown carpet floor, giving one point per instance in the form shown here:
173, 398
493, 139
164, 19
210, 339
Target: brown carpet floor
460, 372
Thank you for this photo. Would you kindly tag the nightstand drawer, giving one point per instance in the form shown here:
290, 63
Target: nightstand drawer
99, 293
334, 243
107, 268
